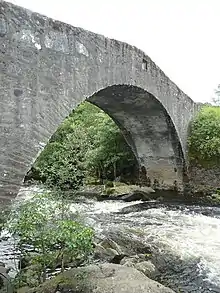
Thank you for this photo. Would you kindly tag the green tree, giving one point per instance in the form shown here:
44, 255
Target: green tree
61, 163
88, 142
110, 154
51, 230
204, 139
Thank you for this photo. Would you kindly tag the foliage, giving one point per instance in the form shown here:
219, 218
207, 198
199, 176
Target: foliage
109, 184
46, 230
88, 143
62, 163
110, 154
204, 140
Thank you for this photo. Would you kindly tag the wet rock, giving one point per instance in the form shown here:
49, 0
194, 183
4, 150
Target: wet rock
5, 283
160, 199
118, 192
108, 278
140, 263
90, 192
129, 193
129, 261
137, 195
147, 268
108, 250
128, 245
139, 207
117, 259
109, 243
104, 254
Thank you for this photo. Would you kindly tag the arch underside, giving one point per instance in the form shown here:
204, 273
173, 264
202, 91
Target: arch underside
148, 130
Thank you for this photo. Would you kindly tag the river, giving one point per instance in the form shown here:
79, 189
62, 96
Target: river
186, 239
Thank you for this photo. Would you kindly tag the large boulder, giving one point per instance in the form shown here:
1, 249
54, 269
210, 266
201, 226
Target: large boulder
118, 191
127, 244
109, 243
147, 268
104, 254
108, 278
90, 192
129, 193
108, 251
136, 195
142, 263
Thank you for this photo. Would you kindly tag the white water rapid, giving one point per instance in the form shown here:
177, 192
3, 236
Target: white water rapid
186, 239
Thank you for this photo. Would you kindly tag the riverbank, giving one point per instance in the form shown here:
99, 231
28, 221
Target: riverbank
120, 191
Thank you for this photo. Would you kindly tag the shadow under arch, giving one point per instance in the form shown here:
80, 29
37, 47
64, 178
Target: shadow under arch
148, 130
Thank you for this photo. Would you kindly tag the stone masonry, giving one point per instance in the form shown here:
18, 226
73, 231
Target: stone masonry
47, 68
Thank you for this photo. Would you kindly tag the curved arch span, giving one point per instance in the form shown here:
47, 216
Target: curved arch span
49, 67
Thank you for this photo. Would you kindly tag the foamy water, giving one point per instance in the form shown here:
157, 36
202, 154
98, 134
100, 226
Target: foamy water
189, 236
186, 235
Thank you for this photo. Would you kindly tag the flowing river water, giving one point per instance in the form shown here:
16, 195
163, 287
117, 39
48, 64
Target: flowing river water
186, 239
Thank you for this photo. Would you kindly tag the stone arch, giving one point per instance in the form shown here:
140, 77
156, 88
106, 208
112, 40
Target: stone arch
148, 130
47, 68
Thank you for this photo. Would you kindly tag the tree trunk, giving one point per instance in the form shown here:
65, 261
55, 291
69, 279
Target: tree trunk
99, 176
44, 276
115, 171
62, 262
44, 273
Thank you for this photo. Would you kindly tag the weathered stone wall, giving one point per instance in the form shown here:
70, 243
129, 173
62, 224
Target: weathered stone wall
47, 68
204, 179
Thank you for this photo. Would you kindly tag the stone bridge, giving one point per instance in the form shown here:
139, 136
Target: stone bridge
47, 68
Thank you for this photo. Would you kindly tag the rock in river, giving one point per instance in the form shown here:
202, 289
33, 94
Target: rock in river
108, 278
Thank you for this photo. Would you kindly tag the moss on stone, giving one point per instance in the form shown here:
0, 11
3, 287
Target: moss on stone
126, 189
69, 280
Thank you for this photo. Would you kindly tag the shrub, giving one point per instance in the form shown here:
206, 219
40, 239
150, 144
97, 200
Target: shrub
109, 184
204, 139
49, 229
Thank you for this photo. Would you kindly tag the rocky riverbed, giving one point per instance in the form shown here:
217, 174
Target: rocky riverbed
175, 244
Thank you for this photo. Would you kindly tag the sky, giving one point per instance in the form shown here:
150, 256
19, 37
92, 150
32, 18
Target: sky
180, 36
